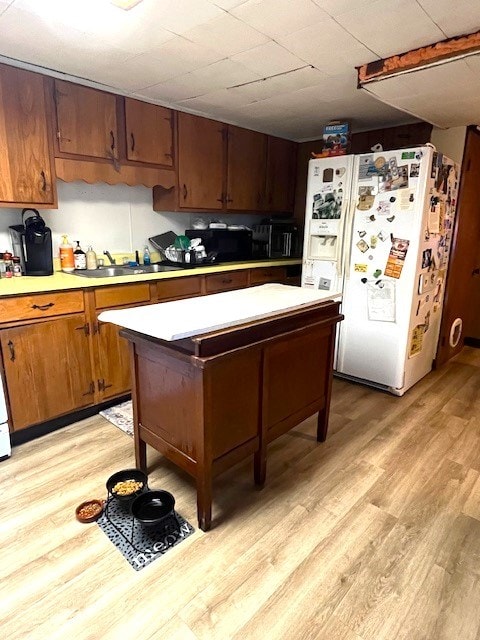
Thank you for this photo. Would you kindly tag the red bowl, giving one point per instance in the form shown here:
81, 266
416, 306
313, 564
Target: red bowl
89, 518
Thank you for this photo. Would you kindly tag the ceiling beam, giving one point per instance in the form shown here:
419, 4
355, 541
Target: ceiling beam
433, 54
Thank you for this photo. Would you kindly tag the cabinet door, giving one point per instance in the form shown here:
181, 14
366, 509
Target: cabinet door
149, 132
47, 369
280, 175
113, 374
25, 163
200, 162
86, 121
246, 167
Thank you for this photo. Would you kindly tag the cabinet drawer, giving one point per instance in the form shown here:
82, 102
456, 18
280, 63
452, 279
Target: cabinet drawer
179, 288
41, 305
225, 281
267, 274
120, 295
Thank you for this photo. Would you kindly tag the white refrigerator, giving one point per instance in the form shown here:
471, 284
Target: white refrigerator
378, 229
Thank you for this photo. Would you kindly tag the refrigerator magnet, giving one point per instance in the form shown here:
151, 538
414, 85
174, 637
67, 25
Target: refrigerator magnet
363, 246
383, 208
373, 242
360, 268
381, 235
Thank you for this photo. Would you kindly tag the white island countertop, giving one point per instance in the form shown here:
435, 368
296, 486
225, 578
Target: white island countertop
203, 314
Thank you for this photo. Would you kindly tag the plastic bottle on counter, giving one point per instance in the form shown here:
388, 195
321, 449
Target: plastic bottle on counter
79, 257
146, 256
91, 258
67, 261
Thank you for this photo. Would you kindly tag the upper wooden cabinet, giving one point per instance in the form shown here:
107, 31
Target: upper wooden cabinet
280, 184
149, 133
226, 168
86, 121
201, 161
246, 167
26, 175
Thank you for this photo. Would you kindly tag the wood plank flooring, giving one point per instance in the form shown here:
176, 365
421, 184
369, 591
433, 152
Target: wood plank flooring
373, 535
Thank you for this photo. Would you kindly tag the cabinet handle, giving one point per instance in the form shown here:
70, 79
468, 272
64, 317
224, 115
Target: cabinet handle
132, 146
221, 199
91, 389
85, 328
115, 162
476, 272
102, 386
112, 138
227, 280
44, 181
11, 348
185, 191
43, 307
96, 327
229, 199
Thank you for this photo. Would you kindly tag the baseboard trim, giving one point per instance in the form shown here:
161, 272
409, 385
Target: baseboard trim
472, 342
38, 430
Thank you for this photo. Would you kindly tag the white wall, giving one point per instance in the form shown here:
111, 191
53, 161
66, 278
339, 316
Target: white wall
114, 217
450, 141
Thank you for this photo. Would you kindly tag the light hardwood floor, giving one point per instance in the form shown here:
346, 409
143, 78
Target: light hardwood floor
374, 534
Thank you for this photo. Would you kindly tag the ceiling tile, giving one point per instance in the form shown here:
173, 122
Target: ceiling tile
66, 49
281, 84
4, 4
224, 98
175, 58
336, 7
403, 27
227, 4
454, 19
328, 47
201, 81
279, 17
269, 59
227, 35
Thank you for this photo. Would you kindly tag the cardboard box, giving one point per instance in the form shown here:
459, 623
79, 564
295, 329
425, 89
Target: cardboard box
336, 139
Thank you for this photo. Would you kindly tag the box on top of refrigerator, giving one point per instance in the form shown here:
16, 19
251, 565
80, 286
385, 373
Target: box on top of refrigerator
336, 140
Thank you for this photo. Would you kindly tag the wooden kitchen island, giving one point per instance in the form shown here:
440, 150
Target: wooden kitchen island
207, 401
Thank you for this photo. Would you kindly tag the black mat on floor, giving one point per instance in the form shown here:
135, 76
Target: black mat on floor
138, 544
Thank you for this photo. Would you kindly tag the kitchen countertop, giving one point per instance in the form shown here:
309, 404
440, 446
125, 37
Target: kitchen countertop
61, 281
193, 316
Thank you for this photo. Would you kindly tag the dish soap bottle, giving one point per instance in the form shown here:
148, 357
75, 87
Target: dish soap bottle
79, 257
91, 258
146, 256
67, 261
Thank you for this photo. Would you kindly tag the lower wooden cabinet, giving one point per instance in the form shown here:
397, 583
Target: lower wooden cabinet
60, 358
113, 361
47, 369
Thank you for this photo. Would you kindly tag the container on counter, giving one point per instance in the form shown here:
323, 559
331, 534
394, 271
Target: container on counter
17, 268
79, 257
91, 258
7, 258
67, 261
146, 256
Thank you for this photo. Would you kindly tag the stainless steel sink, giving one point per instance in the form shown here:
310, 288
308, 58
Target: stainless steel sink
113, 271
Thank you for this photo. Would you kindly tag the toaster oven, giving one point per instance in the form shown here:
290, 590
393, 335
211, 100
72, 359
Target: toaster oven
276, 240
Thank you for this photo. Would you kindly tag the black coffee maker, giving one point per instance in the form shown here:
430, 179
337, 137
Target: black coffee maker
32, 242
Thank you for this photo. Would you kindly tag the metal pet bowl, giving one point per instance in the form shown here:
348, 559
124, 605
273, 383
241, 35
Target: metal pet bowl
122, 476
152, 507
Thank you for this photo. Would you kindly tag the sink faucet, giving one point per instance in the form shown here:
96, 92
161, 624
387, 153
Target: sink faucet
107, 253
